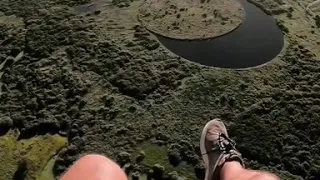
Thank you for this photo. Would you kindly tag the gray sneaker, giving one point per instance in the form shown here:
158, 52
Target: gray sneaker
217, 148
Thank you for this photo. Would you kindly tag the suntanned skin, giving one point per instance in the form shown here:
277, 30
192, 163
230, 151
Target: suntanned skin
97, 167
234, 171
94, 167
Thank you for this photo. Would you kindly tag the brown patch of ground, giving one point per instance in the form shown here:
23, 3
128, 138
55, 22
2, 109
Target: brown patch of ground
191, 19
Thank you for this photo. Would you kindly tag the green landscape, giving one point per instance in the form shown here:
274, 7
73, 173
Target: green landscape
80, 77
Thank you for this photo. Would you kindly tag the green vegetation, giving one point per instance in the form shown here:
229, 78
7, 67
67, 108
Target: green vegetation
106, 83
317, 19
34, 153
47, 173
157, 156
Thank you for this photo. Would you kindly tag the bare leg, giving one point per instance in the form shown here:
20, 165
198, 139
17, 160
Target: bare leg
94, 167
234, 171
221, 159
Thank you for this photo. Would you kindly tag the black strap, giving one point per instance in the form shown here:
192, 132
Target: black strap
222, 146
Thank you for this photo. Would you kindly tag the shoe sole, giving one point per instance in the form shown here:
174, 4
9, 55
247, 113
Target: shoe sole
202, 146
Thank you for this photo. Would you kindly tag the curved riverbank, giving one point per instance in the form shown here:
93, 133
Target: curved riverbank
191, 20
257, 41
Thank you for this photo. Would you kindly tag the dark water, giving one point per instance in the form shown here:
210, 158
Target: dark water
257, 41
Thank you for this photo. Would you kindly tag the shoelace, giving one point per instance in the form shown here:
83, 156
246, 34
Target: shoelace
225, 144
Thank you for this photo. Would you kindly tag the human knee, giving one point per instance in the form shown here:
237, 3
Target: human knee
94, 166
95, 158
265, 176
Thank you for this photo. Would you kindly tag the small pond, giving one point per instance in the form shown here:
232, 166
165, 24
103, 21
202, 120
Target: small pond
255, 42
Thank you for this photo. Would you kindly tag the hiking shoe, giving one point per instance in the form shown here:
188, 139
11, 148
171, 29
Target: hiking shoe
217, 148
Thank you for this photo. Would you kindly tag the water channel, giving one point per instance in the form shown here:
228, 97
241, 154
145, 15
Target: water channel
256, 41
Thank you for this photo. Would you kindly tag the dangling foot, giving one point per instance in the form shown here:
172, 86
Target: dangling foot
217, 148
